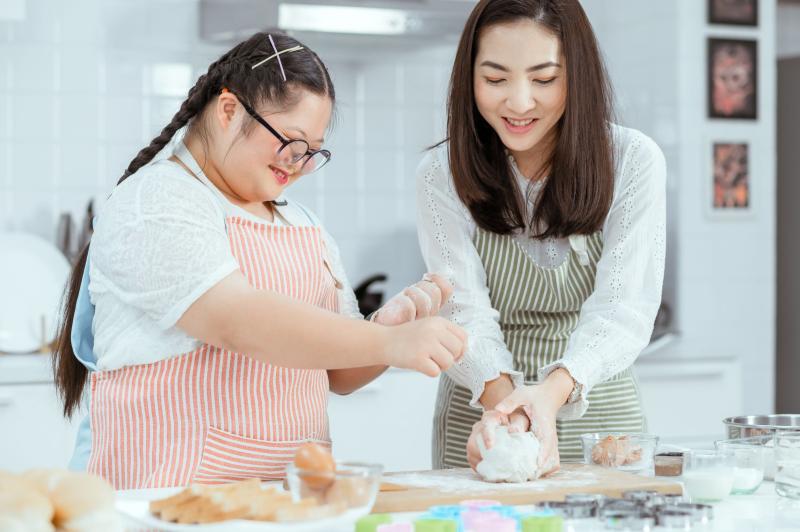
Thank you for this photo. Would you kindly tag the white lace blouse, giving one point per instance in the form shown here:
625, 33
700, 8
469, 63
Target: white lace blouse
159, 244
615, 322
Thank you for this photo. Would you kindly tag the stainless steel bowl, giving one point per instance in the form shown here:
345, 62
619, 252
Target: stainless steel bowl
747, 426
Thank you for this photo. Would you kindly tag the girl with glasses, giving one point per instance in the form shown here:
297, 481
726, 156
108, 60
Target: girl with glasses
549, 220
211, 313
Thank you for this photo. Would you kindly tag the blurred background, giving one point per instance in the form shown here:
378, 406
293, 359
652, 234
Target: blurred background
85, 84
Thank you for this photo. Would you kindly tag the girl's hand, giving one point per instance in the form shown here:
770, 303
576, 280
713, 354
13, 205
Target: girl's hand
419, 300
429, 345
516, 421
541, 403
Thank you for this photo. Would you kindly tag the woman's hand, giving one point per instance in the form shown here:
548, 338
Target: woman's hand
430, 345
419, 300
541, 403
516, 421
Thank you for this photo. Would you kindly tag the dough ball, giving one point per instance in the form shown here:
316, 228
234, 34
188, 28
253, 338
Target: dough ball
513, 457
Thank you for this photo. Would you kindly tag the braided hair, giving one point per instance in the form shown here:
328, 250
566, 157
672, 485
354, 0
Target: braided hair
234, 70
264, 84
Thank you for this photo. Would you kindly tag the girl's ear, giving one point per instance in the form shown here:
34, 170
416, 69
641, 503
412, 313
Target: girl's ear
225, 110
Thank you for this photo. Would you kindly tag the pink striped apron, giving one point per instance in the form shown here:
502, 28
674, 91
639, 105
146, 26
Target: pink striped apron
212, 415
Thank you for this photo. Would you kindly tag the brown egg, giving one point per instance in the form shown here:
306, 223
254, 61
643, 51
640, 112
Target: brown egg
317, 465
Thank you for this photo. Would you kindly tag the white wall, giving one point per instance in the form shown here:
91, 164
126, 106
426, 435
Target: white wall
390, 109
724, 267
788, 30
85, 84
80, 94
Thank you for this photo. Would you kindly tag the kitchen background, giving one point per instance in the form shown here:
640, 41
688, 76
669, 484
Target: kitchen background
85, 84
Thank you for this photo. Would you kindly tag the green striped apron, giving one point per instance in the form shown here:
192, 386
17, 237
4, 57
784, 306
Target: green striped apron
539, 309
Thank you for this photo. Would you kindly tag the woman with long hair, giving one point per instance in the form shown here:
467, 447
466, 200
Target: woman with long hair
549, 221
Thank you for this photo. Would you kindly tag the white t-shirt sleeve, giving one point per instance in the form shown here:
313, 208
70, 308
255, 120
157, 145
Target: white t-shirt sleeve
160, 243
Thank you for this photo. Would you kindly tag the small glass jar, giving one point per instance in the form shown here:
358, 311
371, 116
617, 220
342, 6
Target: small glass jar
750, 463
633, 452
787, 463
709, 475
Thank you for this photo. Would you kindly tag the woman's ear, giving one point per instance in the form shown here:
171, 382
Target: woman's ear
225, 110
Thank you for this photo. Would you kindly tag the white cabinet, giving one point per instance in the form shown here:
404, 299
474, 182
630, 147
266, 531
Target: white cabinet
33, 432
685, 399
387, 422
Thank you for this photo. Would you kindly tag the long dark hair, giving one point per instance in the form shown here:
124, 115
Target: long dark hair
577, 195
263, 84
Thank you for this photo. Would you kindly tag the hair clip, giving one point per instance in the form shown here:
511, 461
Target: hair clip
278, 55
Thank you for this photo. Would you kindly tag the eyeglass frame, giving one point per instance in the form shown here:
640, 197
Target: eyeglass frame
284, 141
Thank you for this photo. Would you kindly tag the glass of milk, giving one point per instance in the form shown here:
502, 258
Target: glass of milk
708, 475
750, 464
787, 461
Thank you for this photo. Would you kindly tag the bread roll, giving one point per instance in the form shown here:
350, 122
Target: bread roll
21, 504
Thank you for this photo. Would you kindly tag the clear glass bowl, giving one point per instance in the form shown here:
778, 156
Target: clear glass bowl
632, 452
765, 441
708, 475
750, 463
352, 488
787, 461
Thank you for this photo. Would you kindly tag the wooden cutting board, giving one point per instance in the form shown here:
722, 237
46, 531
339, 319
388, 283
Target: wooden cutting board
416, 492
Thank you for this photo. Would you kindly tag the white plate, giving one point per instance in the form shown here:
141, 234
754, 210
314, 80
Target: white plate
33, 276
133, 505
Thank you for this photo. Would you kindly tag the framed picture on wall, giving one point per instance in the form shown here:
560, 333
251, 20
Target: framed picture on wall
732, 78
732, 187
738, 12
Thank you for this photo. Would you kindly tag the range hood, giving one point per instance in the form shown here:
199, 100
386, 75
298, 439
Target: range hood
225, 21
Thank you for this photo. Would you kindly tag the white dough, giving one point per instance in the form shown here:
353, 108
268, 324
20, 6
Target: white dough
512, 458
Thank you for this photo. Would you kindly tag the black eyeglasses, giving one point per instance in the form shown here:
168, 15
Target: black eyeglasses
298, 149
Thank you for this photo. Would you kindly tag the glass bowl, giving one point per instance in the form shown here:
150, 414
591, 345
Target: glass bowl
633, 452
352, 488
708, 475
750, 463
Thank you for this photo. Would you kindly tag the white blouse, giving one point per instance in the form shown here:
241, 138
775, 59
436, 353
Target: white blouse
615, 322
159, 244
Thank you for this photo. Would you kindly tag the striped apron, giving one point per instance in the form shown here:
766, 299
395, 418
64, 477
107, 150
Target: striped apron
539, 310
212, 415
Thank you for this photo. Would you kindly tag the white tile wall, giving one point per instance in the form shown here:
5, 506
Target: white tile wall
388, 110
85, 84
75, 106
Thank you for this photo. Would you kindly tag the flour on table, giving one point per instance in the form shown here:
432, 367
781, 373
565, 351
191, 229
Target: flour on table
466, 481
512, 458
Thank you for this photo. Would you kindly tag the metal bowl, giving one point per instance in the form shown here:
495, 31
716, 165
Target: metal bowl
747, 426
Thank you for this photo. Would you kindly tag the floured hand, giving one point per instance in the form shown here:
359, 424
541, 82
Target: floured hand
484, 431
420, 300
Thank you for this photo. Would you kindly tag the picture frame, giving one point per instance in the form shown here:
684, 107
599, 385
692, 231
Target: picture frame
733, 12
732, 78
730, 188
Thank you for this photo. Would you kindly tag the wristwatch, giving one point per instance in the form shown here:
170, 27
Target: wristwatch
575, 394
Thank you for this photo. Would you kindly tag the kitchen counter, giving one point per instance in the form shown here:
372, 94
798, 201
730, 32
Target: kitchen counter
759, 512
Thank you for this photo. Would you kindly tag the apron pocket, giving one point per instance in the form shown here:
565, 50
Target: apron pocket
228, 457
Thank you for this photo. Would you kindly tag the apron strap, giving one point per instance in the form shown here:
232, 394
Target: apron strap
578, 245
82, 337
